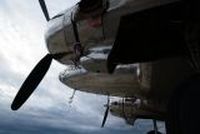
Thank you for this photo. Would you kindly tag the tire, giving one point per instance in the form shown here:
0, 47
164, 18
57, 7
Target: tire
153, 132
184, 108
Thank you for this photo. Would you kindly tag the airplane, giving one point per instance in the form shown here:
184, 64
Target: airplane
162, 37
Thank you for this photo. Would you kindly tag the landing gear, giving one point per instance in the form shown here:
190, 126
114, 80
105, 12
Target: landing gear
184, 111
155, 131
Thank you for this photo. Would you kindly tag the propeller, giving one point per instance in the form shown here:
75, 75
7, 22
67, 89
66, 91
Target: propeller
38, 73
106, 112
44, 9
33, 80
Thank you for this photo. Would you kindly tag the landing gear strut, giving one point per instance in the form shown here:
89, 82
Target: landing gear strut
155, 131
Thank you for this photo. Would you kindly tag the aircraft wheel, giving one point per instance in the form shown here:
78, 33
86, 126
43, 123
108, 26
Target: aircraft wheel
183, 110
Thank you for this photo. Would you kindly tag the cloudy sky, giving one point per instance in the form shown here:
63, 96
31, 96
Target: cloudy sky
22, 27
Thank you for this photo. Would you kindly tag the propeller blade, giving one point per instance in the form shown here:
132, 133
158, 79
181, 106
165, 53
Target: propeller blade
32, 81
106, 113
105, 117
44, 9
